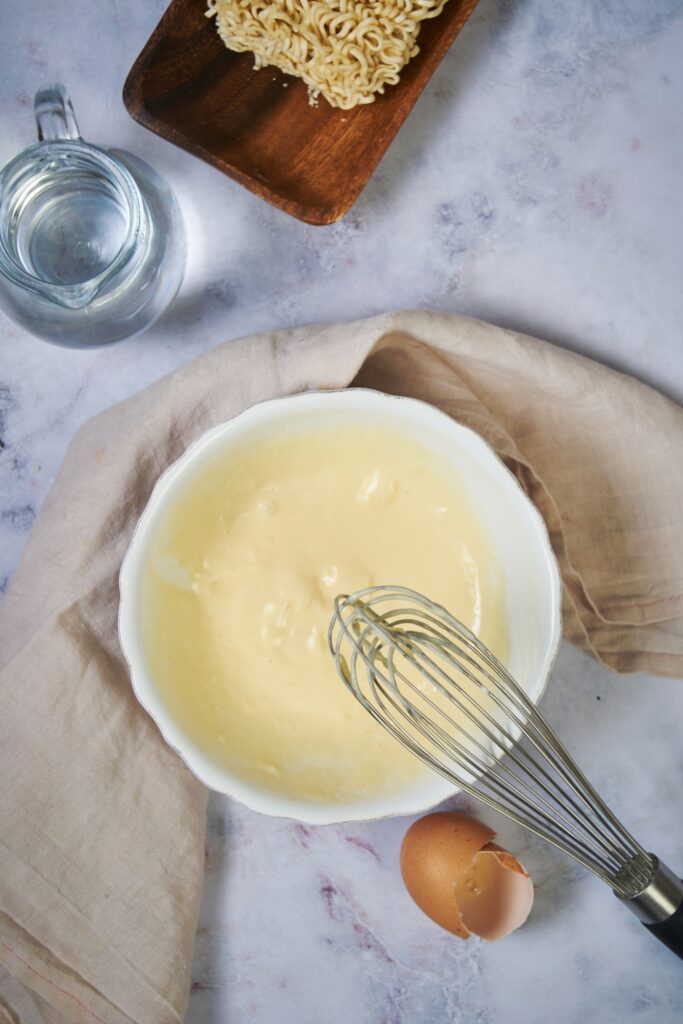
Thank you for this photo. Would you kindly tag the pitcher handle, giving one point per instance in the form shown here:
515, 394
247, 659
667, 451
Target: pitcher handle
55, 118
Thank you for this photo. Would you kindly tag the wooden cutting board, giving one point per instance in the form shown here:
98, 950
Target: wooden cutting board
258, 126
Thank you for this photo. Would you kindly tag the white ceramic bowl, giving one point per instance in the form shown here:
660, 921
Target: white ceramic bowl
532, 581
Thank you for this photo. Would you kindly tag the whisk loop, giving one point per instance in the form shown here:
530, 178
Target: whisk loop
427, 679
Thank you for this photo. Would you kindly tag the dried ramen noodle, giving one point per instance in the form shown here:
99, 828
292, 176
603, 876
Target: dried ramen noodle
344, 50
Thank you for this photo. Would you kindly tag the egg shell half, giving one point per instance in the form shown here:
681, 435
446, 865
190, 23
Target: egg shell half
436, 850
462, 880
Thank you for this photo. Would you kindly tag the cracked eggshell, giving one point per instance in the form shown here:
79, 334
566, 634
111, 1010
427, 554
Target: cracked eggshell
462, 880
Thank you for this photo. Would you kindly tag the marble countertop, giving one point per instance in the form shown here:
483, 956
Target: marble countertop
537, 185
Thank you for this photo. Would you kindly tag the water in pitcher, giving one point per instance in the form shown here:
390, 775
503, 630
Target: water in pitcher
92, 245
67, 225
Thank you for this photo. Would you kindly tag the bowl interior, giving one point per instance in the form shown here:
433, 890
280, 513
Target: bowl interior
518, 533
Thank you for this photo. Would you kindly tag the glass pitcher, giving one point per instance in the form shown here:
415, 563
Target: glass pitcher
92, 247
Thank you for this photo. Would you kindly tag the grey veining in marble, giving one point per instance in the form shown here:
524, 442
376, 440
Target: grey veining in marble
537, 185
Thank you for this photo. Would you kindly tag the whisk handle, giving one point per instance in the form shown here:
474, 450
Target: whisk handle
670, 932
660, 906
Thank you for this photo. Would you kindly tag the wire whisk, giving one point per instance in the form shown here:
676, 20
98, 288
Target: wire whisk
430, 682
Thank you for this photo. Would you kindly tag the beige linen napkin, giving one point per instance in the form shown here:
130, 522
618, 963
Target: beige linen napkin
101, 826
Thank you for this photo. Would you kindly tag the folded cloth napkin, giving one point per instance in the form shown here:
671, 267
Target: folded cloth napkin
101, 825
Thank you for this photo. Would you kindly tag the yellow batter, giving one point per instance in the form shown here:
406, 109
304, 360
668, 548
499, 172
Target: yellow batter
241, 584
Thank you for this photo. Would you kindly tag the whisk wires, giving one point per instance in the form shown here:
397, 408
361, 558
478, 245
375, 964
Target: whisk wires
428, 680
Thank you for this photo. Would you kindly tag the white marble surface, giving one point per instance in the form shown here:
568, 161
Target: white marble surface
536, 184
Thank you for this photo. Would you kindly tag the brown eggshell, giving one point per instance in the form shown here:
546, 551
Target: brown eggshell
502, 898
462, 880
436, 850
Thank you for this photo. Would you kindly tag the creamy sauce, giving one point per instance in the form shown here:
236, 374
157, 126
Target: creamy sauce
240, 589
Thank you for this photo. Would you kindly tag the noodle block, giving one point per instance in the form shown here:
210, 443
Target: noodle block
347, 51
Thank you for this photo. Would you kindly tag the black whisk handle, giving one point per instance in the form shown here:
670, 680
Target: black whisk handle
660, 906
670, 931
